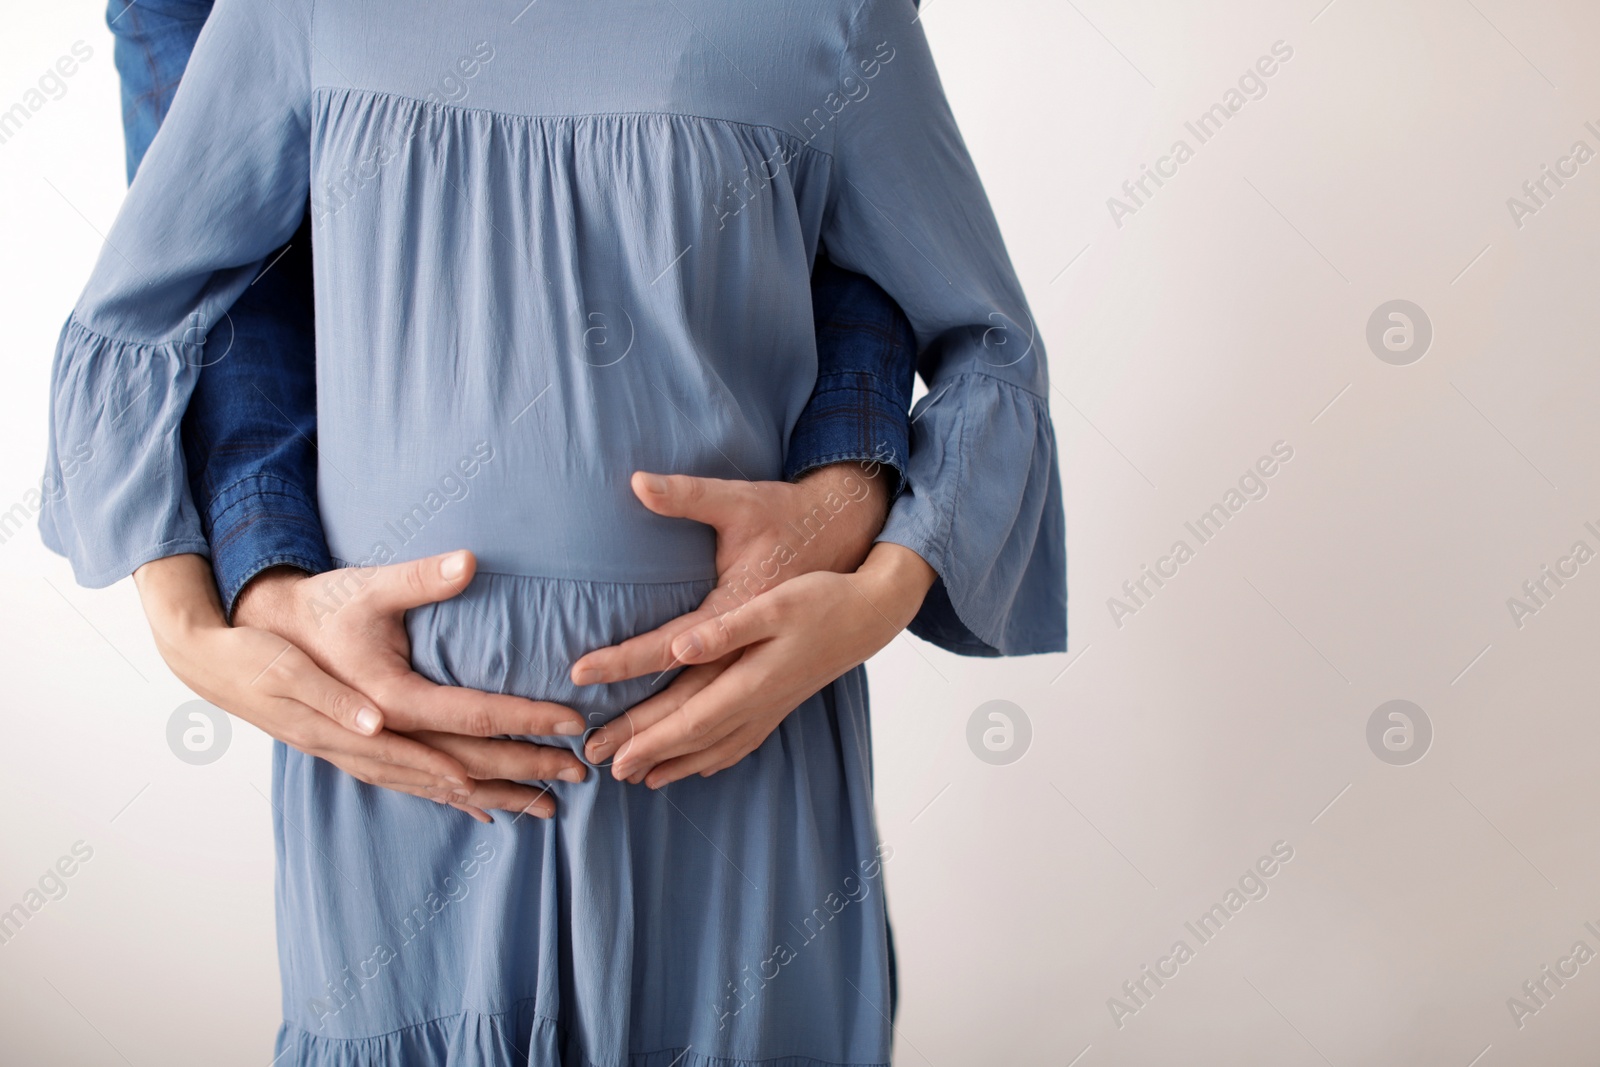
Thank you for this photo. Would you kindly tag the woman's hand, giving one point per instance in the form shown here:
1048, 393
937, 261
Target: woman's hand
770, 536
750, 667
270, 680
767, 533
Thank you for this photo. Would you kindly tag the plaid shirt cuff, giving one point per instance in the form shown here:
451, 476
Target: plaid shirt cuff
260, 522
866, 364
851, 417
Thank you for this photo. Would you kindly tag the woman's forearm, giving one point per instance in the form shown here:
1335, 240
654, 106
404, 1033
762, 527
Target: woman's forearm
179, 597
274, 686
896, 580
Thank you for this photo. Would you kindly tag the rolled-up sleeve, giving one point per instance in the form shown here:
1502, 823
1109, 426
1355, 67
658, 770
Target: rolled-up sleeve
866, 363
250, 433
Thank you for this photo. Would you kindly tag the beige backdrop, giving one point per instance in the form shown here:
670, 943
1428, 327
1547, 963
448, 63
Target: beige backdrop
1197, 724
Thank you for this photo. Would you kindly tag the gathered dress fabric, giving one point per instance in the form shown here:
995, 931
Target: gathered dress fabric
556, 243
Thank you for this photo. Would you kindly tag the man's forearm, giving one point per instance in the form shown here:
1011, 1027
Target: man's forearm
866, 365
250, 427
250, 430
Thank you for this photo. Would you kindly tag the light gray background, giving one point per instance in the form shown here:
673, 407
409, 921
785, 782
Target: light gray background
1168, 753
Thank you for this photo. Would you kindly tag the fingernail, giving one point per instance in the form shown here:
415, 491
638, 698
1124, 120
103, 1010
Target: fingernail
462, 793
569, 729
571, 774
541, 811
620, 771
453, 780
367, 721
655, 483
454, 566
586, 676
688, 645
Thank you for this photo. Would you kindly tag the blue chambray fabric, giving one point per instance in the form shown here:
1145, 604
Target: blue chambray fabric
555, 243
249, 432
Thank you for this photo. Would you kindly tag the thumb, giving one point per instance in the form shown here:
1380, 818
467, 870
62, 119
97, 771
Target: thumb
398, 586
714, 501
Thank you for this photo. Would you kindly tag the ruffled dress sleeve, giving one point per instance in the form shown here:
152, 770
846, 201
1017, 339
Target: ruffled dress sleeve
223, 186
982, 502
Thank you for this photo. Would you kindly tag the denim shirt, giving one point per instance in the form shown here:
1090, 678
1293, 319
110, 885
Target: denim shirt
249, 433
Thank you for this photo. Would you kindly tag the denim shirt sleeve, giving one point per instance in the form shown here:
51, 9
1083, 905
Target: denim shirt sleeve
866, 364
250, 428
249, 434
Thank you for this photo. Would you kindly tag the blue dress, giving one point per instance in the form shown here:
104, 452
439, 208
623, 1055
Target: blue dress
555, 243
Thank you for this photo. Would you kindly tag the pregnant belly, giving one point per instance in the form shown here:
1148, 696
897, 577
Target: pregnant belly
528, 519
520, 635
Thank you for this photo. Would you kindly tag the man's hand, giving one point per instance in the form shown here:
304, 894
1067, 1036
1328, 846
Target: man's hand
779, 626
767, 533
752, 666
329, 689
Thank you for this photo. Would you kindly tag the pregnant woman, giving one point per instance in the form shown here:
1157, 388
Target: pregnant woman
673, 167
343, 688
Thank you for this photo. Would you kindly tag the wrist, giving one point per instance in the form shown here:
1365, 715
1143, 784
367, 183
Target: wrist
896, 580
856, 495
179, 597
265, 599
857, 482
